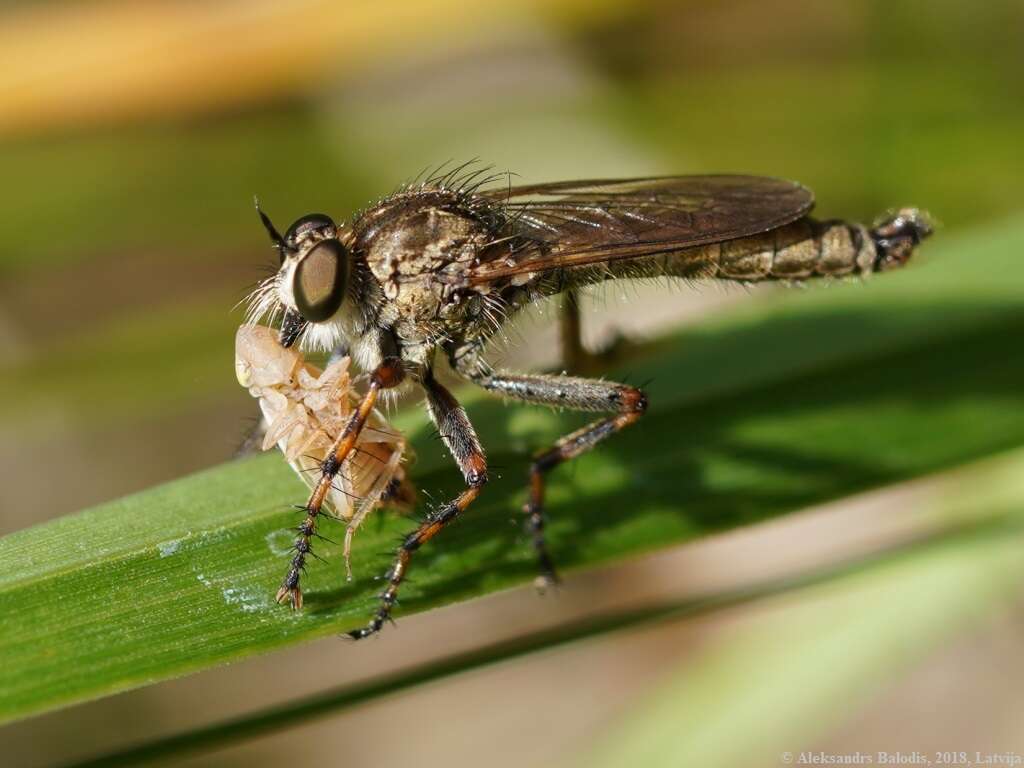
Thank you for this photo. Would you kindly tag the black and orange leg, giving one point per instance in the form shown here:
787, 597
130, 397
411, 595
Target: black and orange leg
387, 375
460, 438
626, 403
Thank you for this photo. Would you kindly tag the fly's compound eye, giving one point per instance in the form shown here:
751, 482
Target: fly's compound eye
320, 281
313, 226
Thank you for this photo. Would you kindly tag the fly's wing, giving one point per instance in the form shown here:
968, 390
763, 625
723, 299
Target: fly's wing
576, 223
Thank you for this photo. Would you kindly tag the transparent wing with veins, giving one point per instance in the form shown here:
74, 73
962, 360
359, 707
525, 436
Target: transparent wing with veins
579, 223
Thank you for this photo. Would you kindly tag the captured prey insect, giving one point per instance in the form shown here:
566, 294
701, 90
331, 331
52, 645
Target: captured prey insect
305, 409
435, 269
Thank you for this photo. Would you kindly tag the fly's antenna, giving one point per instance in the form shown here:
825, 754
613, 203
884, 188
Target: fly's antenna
275, 236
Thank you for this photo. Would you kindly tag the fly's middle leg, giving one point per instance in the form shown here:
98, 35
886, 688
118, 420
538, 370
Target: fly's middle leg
626, 403
460, 438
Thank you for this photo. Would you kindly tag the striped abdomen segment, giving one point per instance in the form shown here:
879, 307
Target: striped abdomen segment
797, 251
804, 249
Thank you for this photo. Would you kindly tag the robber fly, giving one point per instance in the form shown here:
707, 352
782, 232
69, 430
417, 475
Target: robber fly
436, 268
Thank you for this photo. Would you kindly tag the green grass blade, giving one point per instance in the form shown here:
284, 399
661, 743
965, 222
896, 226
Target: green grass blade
274, 719
874, 385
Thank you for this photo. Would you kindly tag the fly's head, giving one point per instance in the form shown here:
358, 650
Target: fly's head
312, 280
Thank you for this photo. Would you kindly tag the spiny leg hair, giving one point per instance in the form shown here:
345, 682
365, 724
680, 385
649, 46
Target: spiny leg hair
593, 395
460, 438
387, 375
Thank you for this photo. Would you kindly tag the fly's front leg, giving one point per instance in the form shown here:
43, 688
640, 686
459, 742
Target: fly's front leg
627, 404
387, 375
460, 438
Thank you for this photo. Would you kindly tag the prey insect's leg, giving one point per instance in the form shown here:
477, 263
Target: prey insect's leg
460, 438
339, 351
252, 443
387, 375
627, 403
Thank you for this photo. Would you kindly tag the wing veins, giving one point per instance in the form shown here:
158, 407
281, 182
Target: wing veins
571, 224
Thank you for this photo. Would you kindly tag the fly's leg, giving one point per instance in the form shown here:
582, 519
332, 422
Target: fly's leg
460, 438
627, 404
575, 356
387, 375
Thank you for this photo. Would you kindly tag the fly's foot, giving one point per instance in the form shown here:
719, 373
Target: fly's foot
370, 629
545, 582
548, 576
388, 598
290, 589
387, 602
292, 595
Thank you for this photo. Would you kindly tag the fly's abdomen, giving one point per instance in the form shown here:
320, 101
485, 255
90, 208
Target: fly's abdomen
805, 249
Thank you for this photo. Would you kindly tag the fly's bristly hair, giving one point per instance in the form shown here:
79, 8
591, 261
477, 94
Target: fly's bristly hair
263, 306
460, 183
454, 188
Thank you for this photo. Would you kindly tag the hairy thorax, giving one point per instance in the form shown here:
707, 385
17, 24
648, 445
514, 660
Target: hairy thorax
417, 248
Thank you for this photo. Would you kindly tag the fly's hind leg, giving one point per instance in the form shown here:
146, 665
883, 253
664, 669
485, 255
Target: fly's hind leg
626, 404
460, 438
570, 329
575, 356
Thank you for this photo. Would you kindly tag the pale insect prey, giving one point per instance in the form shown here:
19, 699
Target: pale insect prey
305, 409
433, 271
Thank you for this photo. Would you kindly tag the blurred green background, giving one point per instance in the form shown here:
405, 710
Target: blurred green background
133, 137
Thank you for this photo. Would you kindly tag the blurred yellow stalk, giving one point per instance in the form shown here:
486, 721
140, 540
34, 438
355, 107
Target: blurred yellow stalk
67, 64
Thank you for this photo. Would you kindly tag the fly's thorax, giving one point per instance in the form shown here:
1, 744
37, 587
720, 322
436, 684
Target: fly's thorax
415, 246
414, 251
